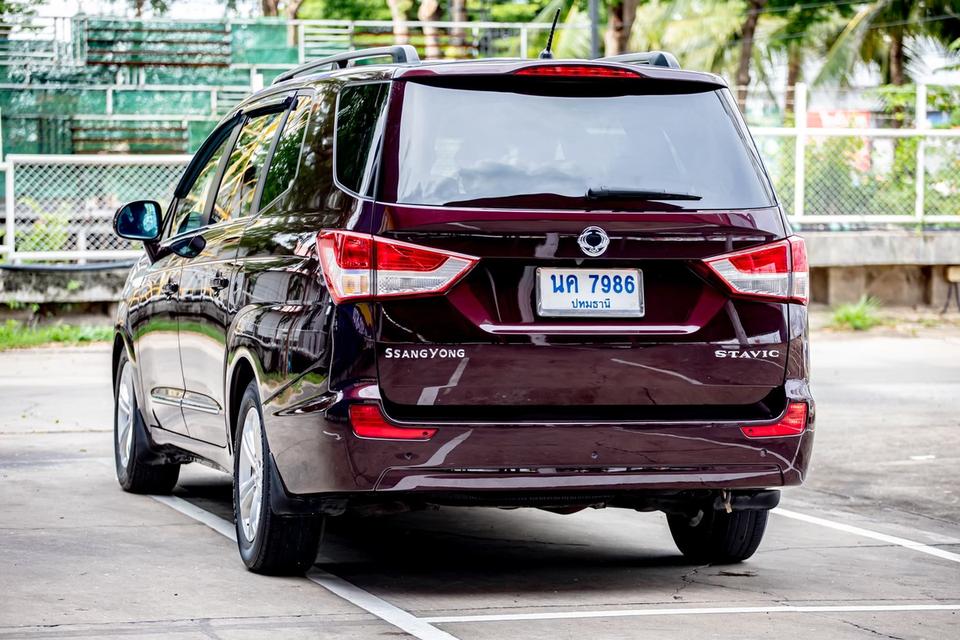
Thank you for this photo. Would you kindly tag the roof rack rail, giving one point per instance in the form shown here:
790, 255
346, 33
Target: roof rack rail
399, 53
653, 58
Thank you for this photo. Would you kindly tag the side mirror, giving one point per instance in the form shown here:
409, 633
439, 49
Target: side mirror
138, 220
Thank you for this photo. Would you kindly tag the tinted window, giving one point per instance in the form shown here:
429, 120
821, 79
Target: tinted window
286, 158
488, 147
358, 111
188, 214
235, 195
316, 160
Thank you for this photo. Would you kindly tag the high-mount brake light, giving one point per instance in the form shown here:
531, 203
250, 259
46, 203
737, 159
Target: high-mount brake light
368, 422
772, 271
793, 422
576, 70
362, 266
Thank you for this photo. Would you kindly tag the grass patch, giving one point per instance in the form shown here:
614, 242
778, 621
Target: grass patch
859, 316
14, 334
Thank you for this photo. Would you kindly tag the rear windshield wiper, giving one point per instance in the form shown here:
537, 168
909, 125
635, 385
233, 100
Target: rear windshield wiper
641, 194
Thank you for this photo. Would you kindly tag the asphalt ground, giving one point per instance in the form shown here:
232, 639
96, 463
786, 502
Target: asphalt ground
868, 548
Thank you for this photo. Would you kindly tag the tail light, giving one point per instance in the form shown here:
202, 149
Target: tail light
793, 423
778, 270
363, 266
576, 70
368, 422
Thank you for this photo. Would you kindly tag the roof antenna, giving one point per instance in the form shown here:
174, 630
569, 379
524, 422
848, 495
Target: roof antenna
546, 54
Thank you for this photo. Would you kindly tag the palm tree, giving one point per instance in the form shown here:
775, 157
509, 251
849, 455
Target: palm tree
882, 32
747, 31
620, 18
806, 28
401, 32
429, 11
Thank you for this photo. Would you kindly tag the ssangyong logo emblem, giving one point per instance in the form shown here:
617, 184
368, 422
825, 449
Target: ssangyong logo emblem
593, 241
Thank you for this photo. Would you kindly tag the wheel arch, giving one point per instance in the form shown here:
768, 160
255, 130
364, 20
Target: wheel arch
242, 369
121, 344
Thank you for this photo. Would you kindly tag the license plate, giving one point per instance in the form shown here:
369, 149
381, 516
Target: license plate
615, 293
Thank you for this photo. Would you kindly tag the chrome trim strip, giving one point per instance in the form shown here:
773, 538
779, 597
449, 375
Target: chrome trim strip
201, 403
172, 402
588, 329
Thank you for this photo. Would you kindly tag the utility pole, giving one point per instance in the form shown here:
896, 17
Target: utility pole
594, 28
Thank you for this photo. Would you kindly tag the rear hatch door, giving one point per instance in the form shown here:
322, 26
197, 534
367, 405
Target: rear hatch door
591, 205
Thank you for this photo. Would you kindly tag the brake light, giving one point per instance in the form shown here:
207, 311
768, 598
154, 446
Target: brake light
778, 270
793, 423
368, 422
576, 70
363, 266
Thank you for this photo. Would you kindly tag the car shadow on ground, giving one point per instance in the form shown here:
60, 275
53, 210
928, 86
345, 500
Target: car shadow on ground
460, 551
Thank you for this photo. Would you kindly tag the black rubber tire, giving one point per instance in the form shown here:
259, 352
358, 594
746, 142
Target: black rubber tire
719, 537
282, 545
138, 476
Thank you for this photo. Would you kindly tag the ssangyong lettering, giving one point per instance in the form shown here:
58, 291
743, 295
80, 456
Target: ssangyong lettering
391, 352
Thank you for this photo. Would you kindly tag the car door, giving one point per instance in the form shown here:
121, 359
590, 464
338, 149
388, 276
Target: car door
206, 304
156, 321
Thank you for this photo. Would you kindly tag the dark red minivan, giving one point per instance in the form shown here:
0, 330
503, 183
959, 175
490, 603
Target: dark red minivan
544, 283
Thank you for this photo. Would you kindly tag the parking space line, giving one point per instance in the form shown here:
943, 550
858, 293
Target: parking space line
690, 611
417, 627
218, 524
867, 533
403, 620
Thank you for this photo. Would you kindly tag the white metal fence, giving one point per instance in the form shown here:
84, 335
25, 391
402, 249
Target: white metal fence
61, 207
864, 175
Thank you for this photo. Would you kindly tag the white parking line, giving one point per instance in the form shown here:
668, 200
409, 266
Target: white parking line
218, 524
417, 627
691, 611
403, 620
867, 533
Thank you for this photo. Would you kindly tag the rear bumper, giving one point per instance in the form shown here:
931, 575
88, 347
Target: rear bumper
316, 453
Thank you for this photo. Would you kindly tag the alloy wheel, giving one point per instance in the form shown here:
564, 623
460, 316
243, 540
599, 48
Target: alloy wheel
125, 416
250, 474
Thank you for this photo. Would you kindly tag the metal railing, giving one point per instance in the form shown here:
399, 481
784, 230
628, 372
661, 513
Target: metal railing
318, 38
50, 42
39, 42
60, 207
866, 175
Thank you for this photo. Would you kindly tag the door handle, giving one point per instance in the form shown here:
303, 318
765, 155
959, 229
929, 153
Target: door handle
219, 282
170, 289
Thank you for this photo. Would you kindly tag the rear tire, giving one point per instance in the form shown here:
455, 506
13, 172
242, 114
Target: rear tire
130, 441
719, 537
269, 543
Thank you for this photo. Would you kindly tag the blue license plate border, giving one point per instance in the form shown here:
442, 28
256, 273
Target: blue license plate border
591, 313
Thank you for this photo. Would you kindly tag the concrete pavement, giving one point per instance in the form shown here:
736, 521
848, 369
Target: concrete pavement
80, 558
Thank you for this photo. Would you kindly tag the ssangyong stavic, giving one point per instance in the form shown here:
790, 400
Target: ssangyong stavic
545, 283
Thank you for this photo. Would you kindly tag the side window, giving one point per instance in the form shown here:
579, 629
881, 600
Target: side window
239, 183
286, 157
316, 159
188, 214
358, 111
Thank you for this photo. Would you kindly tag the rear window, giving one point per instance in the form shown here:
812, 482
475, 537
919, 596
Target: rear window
504, 148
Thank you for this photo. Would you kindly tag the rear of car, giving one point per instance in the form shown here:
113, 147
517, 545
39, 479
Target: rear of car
557, 284
585, 294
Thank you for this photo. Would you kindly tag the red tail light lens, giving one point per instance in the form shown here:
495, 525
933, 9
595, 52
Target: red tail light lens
577, 70
368, 422
778, 270
793, 423
363, 266
801, 269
